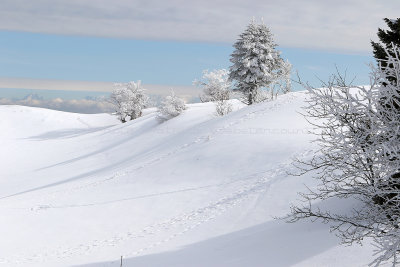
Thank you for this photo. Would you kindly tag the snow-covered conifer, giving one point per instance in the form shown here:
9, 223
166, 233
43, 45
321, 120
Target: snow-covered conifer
387, 39
170, 107
256, 62
129, 99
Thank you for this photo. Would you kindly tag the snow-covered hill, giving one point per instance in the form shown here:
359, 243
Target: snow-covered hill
197, 190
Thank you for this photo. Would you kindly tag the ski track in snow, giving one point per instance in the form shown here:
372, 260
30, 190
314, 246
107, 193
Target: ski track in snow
200, 140
167, 230
172, 228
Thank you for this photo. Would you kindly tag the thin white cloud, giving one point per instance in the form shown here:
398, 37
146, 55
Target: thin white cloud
26, 83
74, 105
341, 25
91, 86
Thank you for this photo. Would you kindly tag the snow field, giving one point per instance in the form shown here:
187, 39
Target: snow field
84, 189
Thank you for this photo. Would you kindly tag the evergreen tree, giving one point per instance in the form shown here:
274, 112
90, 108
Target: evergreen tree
385, 53
388, 38
256, 63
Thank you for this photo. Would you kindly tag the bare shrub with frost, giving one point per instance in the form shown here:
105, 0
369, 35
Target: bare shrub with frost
216, 88
358, 133
129, 99
170, 107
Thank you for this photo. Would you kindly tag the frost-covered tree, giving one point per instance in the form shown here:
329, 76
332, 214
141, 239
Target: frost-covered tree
358, 130
216, 88
170, 107
256, 62
216, 85
223, 107
285, 82
129, 99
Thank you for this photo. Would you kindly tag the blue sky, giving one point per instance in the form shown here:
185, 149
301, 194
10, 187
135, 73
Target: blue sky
105, 59
45, 56
170, 43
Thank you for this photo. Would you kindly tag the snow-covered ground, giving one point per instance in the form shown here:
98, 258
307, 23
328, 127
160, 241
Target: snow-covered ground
197, 190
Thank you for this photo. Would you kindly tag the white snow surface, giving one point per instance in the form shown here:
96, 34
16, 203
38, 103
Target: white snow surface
197, 190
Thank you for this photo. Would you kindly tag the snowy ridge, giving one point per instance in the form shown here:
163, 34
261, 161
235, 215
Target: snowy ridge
84, 190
